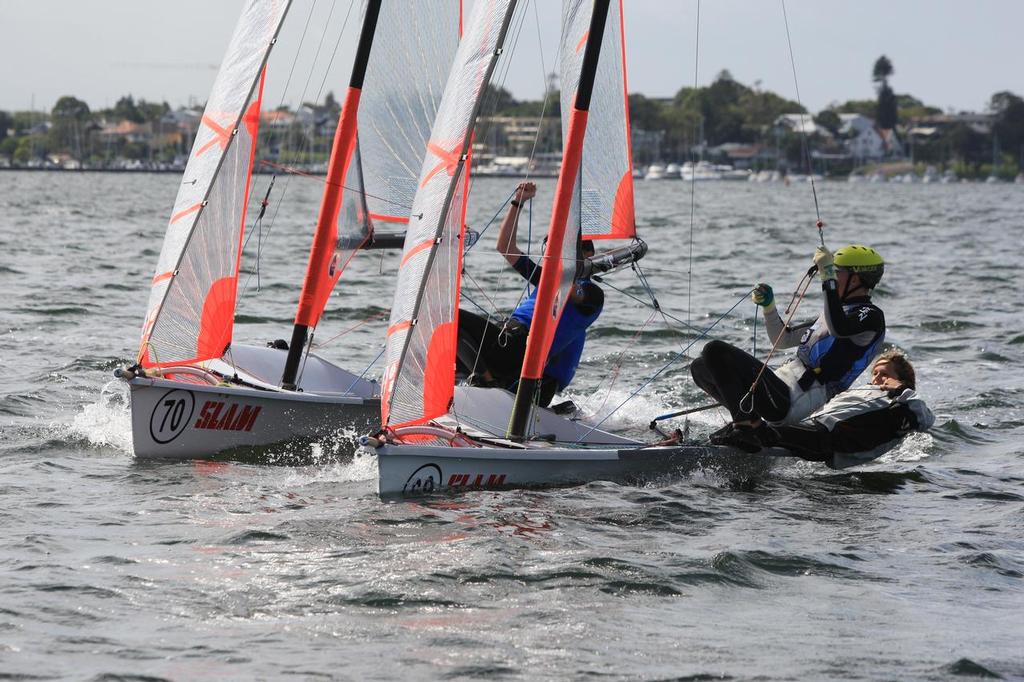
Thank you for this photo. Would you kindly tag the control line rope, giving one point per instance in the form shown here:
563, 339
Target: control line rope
803, 132
794, 303
668, 364
693, 175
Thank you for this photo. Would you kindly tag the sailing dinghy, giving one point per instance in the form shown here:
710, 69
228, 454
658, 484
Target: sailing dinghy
436, 436
195, 393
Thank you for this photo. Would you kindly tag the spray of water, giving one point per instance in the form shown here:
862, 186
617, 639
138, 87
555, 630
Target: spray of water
105, 422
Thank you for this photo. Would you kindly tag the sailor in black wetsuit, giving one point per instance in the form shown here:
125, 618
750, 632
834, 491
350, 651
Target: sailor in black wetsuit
493, 351
832, 350
860, 423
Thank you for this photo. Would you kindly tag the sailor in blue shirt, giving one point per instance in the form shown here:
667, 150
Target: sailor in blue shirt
491, 352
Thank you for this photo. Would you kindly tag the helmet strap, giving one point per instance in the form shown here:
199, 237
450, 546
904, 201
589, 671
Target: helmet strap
848, 287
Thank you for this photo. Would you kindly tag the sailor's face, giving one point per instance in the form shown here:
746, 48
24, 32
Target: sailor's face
883, 375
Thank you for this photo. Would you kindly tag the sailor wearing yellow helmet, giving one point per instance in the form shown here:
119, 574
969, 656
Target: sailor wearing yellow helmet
832, 351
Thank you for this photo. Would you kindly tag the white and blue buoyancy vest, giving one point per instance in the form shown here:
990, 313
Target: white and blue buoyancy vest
837, 361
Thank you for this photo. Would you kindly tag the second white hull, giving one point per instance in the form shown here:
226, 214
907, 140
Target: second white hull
410, 470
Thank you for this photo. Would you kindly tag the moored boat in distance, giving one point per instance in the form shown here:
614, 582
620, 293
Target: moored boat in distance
656, 171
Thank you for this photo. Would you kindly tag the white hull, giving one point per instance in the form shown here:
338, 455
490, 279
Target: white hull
177, 419
410, 470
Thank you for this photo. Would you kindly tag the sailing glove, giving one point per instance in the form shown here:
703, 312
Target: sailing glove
823, 259
763, 296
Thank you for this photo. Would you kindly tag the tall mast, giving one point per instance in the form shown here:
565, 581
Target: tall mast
316, 285
546, 309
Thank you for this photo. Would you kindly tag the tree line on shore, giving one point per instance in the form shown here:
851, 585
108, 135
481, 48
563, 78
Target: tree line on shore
695, 119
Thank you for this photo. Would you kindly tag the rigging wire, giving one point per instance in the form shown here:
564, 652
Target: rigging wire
284, 93
302, 96
803, 137
805, 282
693, 173
284, 168
617, 366
681, 353
547, 95
363, 373
366, 320
651, 305
794, 303
489, 101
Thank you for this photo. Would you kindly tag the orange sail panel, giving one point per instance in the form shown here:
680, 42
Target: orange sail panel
323, 269
558, 264
603, 205
419, 373
192, 296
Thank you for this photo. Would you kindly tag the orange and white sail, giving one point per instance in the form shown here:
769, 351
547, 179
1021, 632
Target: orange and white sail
603, 202
191, 310
419, 375
414, 43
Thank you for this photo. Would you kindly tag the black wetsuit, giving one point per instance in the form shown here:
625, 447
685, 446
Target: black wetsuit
857, 426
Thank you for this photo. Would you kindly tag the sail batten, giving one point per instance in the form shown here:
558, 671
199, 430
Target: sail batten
419, 374
190, 316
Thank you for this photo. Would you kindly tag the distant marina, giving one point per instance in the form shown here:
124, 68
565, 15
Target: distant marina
702, 171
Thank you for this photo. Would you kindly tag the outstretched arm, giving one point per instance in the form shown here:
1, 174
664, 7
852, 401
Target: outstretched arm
507, 241
785, 336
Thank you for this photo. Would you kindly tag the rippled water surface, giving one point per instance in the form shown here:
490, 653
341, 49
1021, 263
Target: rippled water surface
908, 568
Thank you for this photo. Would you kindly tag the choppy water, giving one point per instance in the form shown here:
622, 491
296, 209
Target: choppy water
909, 568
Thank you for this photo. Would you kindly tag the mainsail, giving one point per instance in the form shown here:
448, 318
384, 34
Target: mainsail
419, 376
192, 301
379, 142
603, 200
413, 46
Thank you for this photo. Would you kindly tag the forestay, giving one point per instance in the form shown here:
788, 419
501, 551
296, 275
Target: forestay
603, 201
192, 301
419, 376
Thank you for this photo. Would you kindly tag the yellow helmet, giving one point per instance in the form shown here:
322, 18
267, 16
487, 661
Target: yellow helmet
863, 260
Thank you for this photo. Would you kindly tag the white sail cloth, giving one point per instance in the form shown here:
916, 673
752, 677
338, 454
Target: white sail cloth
419, 374
603, 202
192, 300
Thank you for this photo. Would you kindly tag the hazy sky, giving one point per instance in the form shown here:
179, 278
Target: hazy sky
951, 54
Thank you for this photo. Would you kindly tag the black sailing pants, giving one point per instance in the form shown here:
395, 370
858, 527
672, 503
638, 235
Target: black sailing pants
499, 349
726, 373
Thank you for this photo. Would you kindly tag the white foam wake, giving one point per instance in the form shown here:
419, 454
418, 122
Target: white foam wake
107, 422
